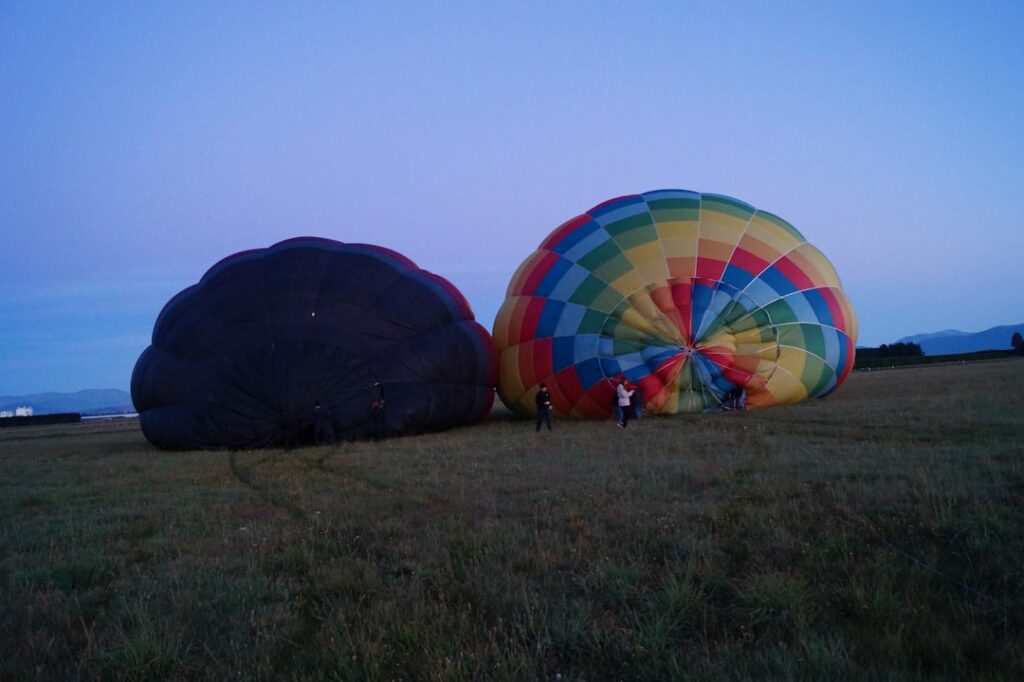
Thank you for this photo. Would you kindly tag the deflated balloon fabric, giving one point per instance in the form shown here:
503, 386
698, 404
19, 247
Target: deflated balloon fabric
240, 359
698, 299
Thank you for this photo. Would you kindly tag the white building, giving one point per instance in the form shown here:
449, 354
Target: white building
6, 413
23, 412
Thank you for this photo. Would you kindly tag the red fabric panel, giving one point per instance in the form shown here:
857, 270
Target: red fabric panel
564, 229
749, 262
531, 316
543, 360
834, 308
710, 268
569, 383
793, 273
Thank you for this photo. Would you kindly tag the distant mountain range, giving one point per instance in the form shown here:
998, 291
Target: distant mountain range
89, 402
953, 341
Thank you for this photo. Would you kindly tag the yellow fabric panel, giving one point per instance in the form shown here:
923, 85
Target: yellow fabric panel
522, 272
752, 338
680, 248
508, 369
677, 229
642, 302
502, 323
765, 251
785, 388
629, 283
763, 228
637, 321
724, 340
682, 269
789, 369
852, 326
715, 250
649, 261
813, 262
720, 227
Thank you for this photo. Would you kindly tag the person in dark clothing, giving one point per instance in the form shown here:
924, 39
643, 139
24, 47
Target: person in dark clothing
636, 401
323, 425
377, 411
292, 429
543, 399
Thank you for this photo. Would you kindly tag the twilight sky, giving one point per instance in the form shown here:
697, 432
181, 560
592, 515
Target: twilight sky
141, 142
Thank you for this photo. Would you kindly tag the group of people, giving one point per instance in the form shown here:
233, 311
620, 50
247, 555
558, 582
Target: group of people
628, 404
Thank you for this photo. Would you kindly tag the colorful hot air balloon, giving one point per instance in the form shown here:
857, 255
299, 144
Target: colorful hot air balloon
695, 298
240, 359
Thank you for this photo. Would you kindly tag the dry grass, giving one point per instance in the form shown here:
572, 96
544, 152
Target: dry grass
875, 534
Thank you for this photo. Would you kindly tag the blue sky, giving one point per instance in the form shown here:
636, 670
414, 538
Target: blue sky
143, 142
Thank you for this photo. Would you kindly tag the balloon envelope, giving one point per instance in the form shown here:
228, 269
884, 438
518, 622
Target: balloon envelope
240, 359
695, 298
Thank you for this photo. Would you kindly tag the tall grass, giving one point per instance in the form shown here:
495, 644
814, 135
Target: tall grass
875, 534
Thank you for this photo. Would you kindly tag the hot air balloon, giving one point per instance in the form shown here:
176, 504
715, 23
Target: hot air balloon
241, 359
700, 300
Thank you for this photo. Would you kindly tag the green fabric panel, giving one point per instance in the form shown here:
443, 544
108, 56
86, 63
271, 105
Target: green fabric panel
807, 336
600, 254
726, 205
672, 210
607, 300
781, 224
587, 291
614, 268
757, 318
780, 312
626, 224
644, 234
815, 372
827, 374
622, 346
592, 322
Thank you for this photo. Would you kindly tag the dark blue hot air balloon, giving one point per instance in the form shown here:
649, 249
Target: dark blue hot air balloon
240, 359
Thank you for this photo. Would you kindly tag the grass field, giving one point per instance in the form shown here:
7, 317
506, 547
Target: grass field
877, 534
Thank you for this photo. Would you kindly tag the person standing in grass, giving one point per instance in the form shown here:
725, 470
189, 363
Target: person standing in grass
323, 425
623, 395
543, 399
637, 403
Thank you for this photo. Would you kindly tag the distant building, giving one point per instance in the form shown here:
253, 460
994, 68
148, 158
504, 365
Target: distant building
23, 412
6, 413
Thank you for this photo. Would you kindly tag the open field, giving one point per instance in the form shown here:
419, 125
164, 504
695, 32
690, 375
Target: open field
876, 534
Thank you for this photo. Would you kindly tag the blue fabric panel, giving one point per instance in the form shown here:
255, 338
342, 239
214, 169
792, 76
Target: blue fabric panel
610, 367
833, 344
587, 244
821, 309
617, 210
659, 194
553, 277
572, 315
549, 317
563, 352
700, 300
585, 347
589, 372
569, 283
575, 237
737, 277
801, 307
776, 280
761, 293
